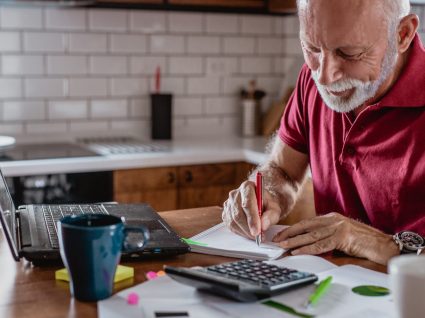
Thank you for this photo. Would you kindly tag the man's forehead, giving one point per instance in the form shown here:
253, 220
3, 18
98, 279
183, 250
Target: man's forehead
342, 22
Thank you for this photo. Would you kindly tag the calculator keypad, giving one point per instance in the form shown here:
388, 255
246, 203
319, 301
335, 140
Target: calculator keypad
257, 273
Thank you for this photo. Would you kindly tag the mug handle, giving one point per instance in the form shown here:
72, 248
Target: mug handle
129, 247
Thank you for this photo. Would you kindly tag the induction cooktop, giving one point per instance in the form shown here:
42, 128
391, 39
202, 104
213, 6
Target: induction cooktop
45, 151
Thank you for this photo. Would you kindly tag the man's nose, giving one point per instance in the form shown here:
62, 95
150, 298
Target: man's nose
329, 69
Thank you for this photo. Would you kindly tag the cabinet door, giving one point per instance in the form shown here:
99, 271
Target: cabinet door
129, 2
283, 6
205, 185
156, 186
221, 3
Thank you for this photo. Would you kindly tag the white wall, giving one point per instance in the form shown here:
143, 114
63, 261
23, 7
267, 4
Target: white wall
90, 71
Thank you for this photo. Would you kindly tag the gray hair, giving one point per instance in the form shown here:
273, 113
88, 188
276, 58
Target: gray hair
395, 10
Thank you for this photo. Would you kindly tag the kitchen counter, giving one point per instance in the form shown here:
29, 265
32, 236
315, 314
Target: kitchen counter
181, 152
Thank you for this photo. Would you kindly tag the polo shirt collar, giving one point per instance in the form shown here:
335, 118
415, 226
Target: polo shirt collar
408, 90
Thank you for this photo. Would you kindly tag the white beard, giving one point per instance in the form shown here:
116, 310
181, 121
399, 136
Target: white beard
363, 91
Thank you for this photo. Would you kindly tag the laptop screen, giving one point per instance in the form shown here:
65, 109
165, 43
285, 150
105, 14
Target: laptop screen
7, 211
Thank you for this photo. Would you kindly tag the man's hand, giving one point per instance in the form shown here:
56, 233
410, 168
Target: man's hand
240, 212
332, 231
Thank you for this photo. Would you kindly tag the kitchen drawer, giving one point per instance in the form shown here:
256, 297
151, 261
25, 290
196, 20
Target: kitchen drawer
207, 175
135, 180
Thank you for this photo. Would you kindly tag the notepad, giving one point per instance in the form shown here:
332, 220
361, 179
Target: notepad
219, 240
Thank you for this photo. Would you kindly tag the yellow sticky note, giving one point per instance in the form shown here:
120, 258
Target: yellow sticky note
122, 273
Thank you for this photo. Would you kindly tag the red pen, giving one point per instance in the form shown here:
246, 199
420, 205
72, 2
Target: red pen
259, 194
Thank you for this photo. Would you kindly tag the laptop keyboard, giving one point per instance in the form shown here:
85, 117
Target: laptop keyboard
53, 213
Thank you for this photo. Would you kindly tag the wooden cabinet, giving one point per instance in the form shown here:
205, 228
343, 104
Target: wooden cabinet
243, 6
220, 3
180, 187
282, 6
157, 186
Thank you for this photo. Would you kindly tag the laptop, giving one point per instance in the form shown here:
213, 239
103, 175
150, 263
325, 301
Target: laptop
31, 232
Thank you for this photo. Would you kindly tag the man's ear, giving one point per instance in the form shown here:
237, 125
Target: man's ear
406, 31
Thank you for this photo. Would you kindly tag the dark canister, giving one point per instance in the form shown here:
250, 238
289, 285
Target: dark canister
161, 112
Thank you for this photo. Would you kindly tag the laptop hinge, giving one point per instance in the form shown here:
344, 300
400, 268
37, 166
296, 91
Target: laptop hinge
18, 231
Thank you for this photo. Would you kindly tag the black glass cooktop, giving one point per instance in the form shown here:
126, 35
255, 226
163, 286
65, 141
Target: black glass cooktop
45, 151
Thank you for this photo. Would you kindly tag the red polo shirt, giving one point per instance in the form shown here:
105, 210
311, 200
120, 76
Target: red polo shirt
371, 168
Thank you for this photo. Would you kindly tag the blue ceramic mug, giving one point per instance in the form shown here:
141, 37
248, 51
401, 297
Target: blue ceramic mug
90, 247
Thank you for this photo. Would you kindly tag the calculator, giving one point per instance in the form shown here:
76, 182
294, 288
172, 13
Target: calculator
246, 280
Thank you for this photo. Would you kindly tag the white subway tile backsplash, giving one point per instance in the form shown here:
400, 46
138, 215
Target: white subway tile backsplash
256, 65
109, 108
44, 42
10, 87
108, 65
67, 65
148, 21
288, 25
65, 19
44, 87
108, 20
18, 17
146, 65
259, 25
88, 42
140, 108
217, 66
167, 44
203, 44
12, 129
45, 129
270, 45
292, 46
141, 128
87, 87
10, 41
239, 45
91, 127
222, 105
185, 22
128, 43
84, 71
233, 85
69, 109
22, 64
283, 65
183, 106
23, 110
185, 65
128, 86
221, 23
173, 85
203, 85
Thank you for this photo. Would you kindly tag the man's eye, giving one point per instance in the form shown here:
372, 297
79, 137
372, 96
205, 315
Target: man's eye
350, 56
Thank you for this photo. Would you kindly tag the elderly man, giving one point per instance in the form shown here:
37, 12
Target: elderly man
357, 117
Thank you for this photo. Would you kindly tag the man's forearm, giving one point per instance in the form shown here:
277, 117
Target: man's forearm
280, 185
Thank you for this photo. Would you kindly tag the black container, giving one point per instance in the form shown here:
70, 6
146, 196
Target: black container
161, 116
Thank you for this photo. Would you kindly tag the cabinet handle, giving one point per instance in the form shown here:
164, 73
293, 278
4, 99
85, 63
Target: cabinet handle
188, 176
171, 177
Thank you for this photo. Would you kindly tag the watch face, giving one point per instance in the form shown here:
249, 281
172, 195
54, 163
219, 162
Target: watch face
411, 240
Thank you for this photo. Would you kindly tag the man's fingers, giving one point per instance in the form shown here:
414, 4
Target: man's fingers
320, 247
302, 227
250, 208
308, 238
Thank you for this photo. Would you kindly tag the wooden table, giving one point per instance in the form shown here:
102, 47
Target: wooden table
27, 291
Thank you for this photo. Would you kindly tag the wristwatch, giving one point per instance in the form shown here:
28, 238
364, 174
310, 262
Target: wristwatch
409, 242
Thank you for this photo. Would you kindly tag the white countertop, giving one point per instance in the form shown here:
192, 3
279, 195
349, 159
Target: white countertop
185, 152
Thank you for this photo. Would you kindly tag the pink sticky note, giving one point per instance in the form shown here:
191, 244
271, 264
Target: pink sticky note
151, 275
132, 299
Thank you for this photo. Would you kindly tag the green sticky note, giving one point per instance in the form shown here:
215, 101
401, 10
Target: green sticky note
191, 242
122, 272
372, 291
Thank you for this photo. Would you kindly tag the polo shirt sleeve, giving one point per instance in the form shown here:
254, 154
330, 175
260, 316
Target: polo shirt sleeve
293, 129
